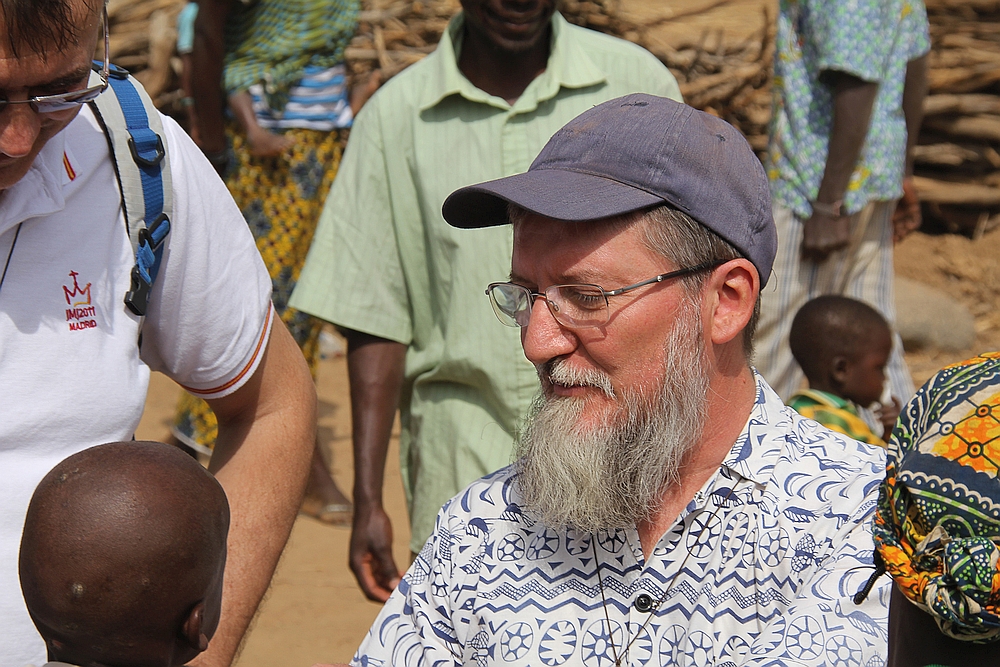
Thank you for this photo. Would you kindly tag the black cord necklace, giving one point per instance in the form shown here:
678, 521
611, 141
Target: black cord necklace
663, 596
10, 253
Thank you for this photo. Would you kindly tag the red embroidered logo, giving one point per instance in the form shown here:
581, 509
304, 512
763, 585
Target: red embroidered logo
80, 314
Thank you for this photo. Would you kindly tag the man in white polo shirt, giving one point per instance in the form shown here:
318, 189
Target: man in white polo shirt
75, 361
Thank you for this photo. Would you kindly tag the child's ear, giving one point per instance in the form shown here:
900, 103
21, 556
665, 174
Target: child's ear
838, 369
193, 628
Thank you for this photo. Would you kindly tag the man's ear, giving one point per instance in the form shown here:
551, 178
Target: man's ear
193, 630
733, 290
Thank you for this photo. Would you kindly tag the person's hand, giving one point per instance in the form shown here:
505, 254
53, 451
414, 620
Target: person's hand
371, 553
887, 414
264, 143
823, 234
906, 217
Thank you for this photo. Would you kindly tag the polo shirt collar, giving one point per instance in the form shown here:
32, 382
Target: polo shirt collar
569, 66
40, 191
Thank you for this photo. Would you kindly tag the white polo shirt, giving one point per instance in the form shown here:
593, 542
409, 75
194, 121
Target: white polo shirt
72, 374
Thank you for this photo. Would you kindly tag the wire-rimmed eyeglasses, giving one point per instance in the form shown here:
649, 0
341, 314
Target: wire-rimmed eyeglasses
59, 102
572, 306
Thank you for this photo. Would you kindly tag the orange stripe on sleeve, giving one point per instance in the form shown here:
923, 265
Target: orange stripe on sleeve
246, 369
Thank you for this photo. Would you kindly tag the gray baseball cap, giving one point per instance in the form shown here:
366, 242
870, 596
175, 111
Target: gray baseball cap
634, 153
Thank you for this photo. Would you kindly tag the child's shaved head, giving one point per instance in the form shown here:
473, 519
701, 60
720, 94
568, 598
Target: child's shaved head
833, 326
122, 556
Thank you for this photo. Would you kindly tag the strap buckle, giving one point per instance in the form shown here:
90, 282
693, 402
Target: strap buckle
143, 158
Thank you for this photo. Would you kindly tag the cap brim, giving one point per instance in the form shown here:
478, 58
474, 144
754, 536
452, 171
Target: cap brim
551, 193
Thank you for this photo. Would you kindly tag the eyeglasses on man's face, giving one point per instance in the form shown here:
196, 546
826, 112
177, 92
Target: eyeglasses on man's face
72, 100
573, 306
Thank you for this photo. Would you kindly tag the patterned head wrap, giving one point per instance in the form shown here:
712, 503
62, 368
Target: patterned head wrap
937, 527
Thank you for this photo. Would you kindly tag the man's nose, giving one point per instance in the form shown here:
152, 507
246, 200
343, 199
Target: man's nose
544, 339
20, 127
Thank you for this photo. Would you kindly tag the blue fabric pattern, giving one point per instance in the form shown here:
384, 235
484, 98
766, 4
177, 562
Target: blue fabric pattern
759, 569
317, 101
871, 39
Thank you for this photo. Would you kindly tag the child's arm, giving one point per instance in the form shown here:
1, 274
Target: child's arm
262, 143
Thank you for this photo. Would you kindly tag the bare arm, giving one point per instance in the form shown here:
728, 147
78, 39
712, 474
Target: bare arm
206, 82
853, 100
267, 430
375, 368
907, 216
262, 142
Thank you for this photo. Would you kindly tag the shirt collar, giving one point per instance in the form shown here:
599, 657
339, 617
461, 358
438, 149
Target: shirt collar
40, 190
760, 444
569, 66
826, 399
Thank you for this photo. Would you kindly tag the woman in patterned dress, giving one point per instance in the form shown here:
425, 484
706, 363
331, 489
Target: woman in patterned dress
286, 84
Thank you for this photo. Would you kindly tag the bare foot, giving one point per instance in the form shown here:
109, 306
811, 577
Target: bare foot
264, 143
324, 500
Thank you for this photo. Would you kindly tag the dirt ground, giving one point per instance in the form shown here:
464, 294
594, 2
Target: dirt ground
315, 612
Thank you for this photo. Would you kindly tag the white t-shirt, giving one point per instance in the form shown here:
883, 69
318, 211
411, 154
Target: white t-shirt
71, 372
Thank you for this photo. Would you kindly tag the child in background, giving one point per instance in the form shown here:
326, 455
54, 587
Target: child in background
842, 346
122, 556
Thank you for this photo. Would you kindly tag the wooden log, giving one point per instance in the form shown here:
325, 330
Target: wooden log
953, 5
945, 155
945, 192
982, 126
966, 80
705, 83
961, 104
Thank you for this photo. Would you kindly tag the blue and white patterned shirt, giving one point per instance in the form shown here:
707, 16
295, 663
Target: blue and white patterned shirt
870, 39
759, 569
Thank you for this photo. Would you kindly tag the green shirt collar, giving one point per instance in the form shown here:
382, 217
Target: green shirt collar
827, 399
569, 67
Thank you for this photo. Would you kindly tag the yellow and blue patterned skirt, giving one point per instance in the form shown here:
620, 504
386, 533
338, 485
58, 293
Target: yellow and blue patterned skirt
281, 199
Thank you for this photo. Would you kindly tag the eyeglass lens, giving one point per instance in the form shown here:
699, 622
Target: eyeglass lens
61, 102
571, 305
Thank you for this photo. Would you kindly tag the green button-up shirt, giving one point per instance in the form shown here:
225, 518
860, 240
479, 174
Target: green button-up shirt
384, 261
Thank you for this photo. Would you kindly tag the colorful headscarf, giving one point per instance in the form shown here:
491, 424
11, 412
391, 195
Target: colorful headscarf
937, 527
272, 42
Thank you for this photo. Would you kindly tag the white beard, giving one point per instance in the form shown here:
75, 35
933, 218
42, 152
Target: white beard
613, 475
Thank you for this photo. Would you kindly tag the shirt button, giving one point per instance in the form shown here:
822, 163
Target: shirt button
643, 603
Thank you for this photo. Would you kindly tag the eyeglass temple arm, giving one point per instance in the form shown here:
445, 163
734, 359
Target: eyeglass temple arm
667, 276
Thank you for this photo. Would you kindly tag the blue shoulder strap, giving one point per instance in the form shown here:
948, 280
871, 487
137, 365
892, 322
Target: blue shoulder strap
134, 133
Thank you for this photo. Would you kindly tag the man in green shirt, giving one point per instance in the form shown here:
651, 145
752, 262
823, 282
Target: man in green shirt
407, 289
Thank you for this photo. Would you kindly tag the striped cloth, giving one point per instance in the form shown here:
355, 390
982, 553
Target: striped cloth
318, 101
274, 41
937, 526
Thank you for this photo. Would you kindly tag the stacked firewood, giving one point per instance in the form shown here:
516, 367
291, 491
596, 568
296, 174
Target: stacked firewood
957, 161
727, 78
958, 156
143, 41
730, 80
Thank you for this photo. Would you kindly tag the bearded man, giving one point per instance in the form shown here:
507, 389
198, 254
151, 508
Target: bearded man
665, 507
